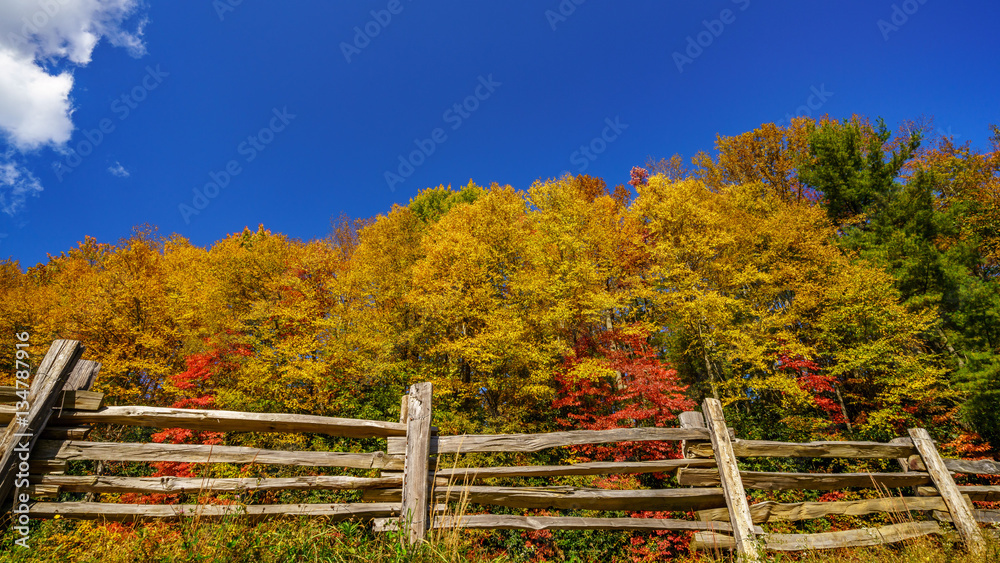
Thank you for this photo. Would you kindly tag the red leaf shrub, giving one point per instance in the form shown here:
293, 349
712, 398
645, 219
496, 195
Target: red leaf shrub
643, 391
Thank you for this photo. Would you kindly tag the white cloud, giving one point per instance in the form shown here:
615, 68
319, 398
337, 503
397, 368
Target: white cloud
117, 169
16, 184
34, 105
35, 36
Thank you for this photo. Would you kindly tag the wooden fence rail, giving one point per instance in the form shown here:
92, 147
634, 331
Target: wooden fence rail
530, 443
72, 450
411, 493
221, 421
175, 485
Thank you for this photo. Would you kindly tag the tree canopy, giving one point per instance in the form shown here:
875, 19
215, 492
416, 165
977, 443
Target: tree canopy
831, 274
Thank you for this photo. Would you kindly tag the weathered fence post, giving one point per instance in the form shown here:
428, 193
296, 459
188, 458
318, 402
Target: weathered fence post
732, 484
690, 419
83, 375
23, 431
404, 407
904, 462
961, 514
415, 512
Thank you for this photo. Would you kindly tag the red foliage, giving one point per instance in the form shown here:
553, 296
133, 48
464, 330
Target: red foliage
644, 393
970, 445
197, 380
656, 545
818, 385
540, 543
832, 496
639, 177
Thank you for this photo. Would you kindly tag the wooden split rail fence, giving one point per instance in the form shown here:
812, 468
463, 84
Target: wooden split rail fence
48, 428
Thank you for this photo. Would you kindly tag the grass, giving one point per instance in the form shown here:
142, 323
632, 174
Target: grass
321, 541
923, 550
277, 541
234, 539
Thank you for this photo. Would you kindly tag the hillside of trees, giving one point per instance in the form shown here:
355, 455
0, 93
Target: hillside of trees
832, 276
830, 279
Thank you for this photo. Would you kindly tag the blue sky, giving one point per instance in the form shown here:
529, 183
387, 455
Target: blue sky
301, 117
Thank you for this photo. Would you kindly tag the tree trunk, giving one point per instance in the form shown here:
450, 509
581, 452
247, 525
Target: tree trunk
708, 365
843, 408
951, 348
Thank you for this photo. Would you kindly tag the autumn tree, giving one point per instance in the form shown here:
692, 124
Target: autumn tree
469, 294
926, 228
742, 276
769, 155
618, 380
